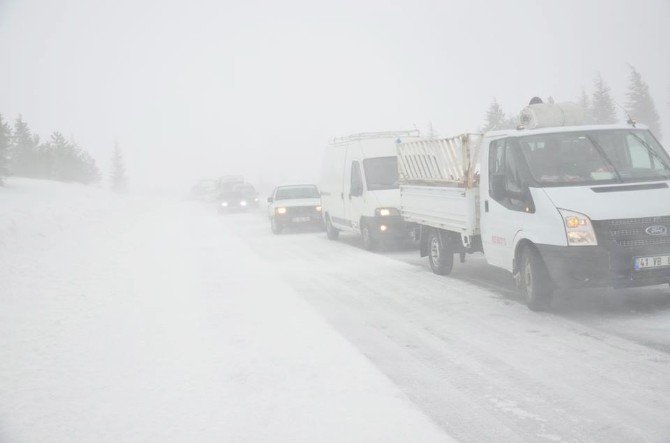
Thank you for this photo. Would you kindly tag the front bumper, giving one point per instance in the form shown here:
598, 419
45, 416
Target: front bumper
299, 218
390, 227
598, 266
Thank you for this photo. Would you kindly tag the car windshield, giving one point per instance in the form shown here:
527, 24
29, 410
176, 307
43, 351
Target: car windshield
296, 192
594, 157
381, 173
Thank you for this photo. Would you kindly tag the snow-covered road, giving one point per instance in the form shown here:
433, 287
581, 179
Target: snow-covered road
475, 360
137, 320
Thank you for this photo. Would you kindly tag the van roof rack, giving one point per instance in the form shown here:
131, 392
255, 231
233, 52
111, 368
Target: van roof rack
374, 135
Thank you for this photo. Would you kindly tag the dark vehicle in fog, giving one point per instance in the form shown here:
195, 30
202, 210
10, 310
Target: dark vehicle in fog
240, 197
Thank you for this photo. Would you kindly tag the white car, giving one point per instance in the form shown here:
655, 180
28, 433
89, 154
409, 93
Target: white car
294, 205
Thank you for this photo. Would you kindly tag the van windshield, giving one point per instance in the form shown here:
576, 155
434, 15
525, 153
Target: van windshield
594, 157
381, 173
295, 192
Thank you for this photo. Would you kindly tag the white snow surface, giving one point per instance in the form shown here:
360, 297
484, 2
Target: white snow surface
128, 319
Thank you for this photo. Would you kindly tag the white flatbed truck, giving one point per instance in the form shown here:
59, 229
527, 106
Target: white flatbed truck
557, 206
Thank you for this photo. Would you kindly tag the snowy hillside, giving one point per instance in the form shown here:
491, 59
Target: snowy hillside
134, 320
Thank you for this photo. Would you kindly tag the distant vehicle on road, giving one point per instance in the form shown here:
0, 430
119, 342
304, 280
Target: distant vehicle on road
557, 204
205, 190
238, 197
294, 206
359, 187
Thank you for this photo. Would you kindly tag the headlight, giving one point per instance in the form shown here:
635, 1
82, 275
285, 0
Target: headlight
224, 204
578, 229
281, 210
243, 203
318, 208
386, 212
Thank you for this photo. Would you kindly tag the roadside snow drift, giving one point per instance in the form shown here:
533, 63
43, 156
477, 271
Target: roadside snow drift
127, 319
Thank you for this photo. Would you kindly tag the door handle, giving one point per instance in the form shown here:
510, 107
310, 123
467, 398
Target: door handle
486, 206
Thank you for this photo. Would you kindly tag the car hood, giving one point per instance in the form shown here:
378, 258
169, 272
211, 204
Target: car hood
617, 202
290, 203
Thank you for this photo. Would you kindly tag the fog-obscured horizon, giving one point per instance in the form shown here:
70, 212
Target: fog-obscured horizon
202, 89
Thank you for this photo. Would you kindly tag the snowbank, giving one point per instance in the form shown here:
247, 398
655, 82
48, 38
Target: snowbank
133, 320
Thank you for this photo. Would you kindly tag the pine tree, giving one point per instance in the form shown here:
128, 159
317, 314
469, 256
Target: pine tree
640, 105
585, 103
5, 139
603, 109
23, 150
118, 177
495, 118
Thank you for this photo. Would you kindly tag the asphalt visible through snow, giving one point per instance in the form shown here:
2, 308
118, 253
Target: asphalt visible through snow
471, 356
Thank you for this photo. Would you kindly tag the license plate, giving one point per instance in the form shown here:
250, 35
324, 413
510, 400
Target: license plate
657, 261
300, 219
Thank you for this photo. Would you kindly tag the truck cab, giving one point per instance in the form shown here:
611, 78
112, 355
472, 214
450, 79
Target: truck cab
590, 204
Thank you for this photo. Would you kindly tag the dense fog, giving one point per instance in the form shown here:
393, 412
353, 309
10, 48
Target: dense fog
259, 88
346, 221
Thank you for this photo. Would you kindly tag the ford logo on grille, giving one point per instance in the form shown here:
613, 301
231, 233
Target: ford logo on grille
656, 230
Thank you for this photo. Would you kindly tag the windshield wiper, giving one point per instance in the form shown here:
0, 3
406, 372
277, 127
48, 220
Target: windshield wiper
651, 151
602, 152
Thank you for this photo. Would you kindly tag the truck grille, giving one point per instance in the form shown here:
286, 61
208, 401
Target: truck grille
632, 232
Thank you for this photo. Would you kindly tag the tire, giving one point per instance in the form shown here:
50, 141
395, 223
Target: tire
369, 242
275, 227
331, 232
440, 257
534, 282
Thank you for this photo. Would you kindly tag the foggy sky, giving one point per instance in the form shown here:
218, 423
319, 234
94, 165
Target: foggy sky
206, 88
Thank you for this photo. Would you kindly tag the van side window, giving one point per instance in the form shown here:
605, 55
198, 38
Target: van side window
356, 188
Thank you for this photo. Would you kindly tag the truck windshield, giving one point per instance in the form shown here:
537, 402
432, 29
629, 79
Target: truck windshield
594, 157
291, 192
381, 173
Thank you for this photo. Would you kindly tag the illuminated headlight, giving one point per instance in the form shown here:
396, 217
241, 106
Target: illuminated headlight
386, 212
224, 204
255, 199
578, 229
243, 203
383, 228
318, 208
281, 210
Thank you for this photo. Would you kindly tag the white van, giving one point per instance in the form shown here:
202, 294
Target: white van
359, 186
558, 206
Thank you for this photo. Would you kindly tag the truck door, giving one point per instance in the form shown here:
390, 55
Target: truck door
507, 206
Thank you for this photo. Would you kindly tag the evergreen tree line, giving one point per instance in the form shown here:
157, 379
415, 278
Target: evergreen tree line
22, 153
599, 107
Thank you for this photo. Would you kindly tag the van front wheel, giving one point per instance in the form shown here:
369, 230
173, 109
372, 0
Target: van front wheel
331, 232
369, 242
535, 284
440, 256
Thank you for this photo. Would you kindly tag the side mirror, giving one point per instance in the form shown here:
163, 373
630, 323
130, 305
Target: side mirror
269, 199
498, 187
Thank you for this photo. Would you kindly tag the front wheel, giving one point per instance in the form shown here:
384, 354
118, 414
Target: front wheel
440, 256
535, 284
331, 232
276, 228
369, 242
